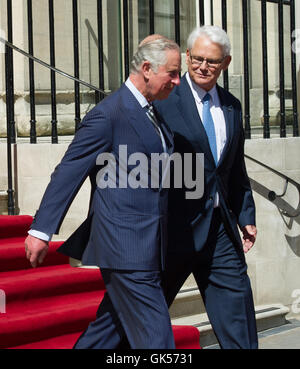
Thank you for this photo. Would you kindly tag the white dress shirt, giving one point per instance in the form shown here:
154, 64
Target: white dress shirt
136, 93
217, 115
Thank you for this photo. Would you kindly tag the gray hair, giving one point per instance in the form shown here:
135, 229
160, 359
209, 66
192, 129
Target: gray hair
214, 33
154, 52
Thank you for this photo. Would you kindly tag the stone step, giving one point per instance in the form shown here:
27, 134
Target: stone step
258, 131
3, 203
188, 302
267, 317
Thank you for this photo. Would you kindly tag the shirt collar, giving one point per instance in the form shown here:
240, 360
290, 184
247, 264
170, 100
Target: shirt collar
199, 93
136, 93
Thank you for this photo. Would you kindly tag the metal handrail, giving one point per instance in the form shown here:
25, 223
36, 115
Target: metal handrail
10, 191
272, 195
51, 67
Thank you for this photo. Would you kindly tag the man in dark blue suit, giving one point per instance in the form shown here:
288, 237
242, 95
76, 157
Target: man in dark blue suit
203, 233
125, 232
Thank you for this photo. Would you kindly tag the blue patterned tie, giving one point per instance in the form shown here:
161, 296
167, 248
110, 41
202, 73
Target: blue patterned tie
208, 124
151, 115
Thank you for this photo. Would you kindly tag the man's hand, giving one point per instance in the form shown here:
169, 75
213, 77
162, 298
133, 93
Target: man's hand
36, 250
249, 237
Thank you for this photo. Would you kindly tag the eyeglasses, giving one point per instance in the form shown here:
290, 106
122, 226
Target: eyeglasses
211, 63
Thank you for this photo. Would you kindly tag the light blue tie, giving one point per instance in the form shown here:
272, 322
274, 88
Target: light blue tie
209, 126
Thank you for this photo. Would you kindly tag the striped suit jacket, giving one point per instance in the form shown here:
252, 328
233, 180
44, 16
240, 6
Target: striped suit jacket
125, 227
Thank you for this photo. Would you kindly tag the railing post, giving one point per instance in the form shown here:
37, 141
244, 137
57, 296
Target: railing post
294, 73
52, 74
246, 71
76, 64
31, 74
224, 26
151, 17
265, 68
177, 21
10, 97
9, 104
211, 12
125, 38
281, 69
99, 97
201, 12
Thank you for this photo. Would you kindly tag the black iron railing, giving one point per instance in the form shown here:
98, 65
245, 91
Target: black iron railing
124, 19
9, 105
125, 62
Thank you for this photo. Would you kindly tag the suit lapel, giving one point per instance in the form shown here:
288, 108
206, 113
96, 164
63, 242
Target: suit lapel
228, 112
138, 119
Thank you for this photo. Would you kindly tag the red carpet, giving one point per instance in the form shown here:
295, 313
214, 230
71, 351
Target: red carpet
48, 307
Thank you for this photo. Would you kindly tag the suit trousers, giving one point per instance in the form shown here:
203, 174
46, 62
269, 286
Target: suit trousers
134, 309
220, 271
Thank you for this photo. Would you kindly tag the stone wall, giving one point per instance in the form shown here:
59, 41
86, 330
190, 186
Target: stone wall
274, 263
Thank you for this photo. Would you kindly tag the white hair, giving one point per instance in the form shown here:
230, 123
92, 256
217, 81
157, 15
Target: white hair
214, 33
154, 52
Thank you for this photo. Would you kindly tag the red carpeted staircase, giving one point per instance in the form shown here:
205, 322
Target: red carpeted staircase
48, 307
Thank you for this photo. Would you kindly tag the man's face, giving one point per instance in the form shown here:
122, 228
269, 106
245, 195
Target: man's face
161, 83
206, 74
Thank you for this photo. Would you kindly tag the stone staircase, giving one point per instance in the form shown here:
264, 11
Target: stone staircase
50, 306
188, 309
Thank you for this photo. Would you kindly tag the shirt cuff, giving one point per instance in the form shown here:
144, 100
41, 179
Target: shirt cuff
41, 235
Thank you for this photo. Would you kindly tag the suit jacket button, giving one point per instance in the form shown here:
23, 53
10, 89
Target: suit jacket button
211, 198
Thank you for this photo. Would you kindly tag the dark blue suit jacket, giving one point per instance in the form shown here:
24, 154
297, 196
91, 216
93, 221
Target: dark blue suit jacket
190, 220
126, 228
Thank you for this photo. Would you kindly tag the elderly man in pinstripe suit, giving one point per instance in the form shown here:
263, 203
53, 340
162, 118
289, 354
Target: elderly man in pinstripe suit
125, 232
